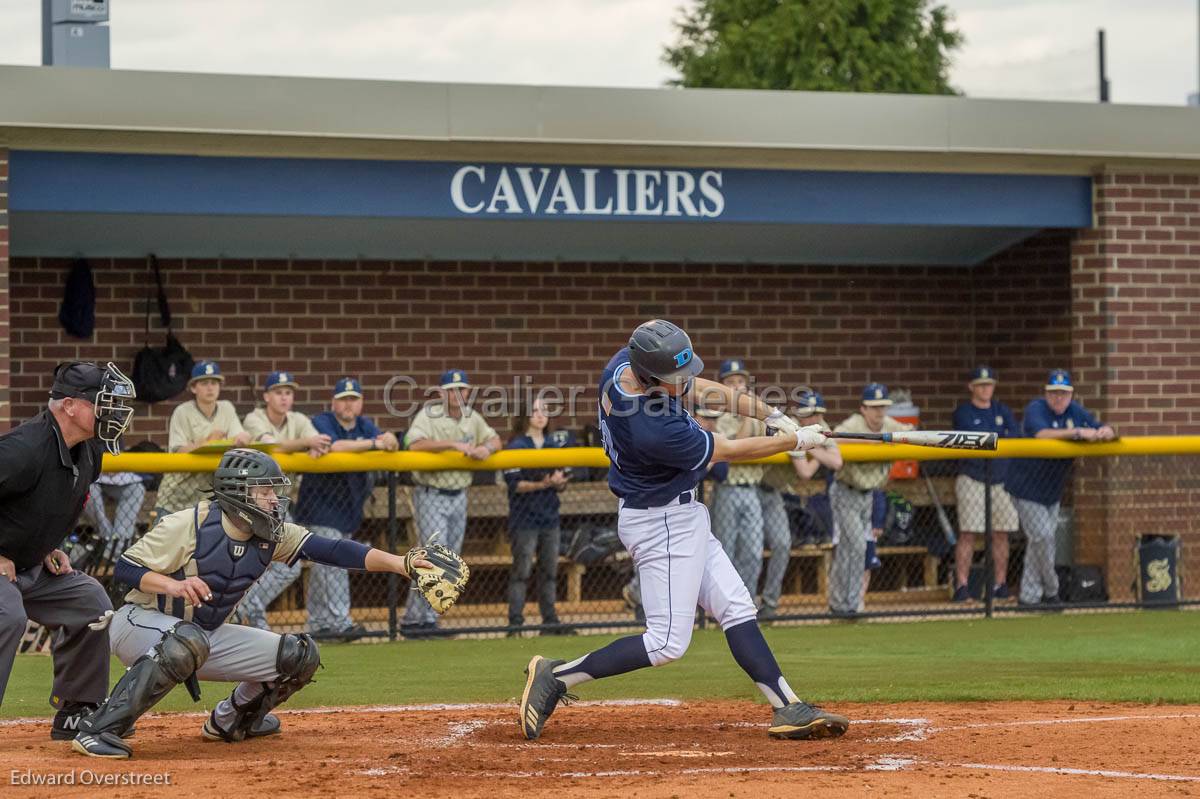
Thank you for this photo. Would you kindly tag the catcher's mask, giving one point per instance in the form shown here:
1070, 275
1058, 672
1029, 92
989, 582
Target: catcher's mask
109, 391
250, 487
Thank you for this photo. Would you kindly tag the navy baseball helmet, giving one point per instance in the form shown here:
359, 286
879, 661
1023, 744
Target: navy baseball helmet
810, 403
660, 352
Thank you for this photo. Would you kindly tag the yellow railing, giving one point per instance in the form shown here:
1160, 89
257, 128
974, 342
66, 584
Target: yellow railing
595, 457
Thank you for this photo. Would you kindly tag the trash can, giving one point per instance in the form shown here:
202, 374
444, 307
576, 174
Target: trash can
1157, 569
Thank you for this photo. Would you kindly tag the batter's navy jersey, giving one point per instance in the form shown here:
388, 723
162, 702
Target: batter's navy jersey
657, 449
996, 418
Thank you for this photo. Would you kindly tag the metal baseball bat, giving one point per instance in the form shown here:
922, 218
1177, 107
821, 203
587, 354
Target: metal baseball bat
943, 519
944, 439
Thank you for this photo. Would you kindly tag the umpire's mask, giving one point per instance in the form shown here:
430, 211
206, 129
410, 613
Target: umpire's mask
250, 487
107, 389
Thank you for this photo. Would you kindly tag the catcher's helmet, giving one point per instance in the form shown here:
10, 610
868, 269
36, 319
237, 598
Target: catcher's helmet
660, 352
239, 472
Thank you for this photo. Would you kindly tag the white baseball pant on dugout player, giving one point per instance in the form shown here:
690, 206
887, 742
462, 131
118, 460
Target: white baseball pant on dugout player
680, 564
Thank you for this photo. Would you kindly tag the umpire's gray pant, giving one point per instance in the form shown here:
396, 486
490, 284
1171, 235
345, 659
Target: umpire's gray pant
328, 598
446, 515
1038, 578
777, 535
737, 522
235, 653
852, 526
64, 603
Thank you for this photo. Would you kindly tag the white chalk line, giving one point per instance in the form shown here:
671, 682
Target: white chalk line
1083, 772
1081, 720
427, 708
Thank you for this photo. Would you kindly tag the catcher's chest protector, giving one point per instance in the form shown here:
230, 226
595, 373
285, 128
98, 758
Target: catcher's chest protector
226, 566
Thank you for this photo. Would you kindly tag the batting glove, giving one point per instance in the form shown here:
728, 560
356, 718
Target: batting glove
810, 437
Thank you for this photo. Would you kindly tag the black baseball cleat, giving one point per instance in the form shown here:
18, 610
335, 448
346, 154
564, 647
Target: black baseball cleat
102, 744
799, 721
543, 692
268, 726
66, 721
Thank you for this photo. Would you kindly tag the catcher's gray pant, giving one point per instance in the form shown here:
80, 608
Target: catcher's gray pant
524, 541
235, 653
64, 603
124, 521
738, 525
852, 525
446, 515
777, 535
328, 599
1039, 522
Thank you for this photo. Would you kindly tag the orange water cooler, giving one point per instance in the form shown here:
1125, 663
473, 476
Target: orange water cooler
904, 411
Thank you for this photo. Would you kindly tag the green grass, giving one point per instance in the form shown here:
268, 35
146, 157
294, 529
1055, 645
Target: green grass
1137, 657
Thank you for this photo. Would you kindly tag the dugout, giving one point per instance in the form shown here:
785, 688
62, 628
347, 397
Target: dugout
376, 228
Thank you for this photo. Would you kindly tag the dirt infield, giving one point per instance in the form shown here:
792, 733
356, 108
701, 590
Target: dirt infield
666, 749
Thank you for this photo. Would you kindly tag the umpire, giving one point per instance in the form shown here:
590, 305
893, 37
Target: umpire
47, 465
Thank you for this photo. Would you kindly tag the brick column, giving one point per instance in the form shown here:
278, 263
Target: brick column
5, 344
1135, 285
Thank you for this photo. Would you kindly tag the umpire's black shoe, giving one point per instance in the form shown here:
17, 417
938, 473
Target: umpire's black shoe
799, 721
102, 744
66, 721
543, 692
269, 725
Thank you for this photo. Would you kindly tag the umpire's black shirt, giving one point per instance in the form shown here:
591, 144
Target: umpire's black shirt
43, 486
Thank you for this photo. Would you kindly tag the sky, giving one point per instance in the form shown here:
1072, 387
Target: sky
1031, 49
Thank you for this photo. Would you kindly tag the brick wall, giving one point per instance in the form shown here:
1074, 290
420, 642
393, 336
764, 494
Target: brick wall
1135, 281
5, 403
832, 327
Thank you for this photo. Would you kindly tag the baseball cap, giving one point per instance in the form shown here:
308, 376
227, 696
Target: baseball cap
875, 394
983, 374
347, 387
810, 404
276, 379
1059, 380
77, 379
708, 413
206, 370
733, 366
454, 378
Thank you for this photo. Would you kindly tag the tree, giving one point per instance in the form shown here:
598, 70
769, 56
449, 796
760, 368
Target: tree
899, 46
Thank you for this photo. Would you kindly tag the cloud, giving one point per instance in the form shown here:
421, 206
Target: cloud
1015, 48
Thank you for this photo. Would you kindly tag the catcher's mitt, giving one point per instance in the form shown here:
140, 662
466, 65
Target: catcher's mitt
442, 584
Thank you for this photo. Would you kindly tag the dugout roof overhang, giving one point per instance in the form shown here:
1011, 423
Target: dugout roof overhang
120, 163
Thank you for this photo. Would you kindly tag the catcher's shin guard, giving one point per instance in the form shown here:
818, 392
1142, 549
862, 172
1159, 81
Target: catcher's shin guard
297, 661
181, 652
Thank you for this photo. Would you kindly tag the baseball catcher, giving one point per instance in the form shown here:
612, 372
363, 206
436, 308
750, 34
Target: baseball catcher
188, 574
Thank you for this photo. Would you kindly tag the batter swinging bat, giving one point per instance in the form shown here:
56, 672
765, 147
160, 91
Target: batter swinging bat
944, 439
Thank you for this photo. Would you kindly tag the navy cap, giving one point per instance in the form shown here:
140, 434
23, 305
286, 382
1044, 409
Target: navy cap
733, 366
347, 387
810, 403
77, 379
983, 374
206, 370
875, 394
1059, 380
454, 378
276, 379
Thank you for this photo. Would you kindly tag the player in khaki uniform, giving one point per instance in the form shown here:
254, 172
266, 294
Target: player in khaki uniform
204, 418
189, 572
851, 495
440, 498
737, 510
780, 478
290, 431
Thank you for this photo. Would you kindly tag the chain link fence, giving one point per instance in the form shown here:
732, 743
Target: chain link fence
1008, 535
